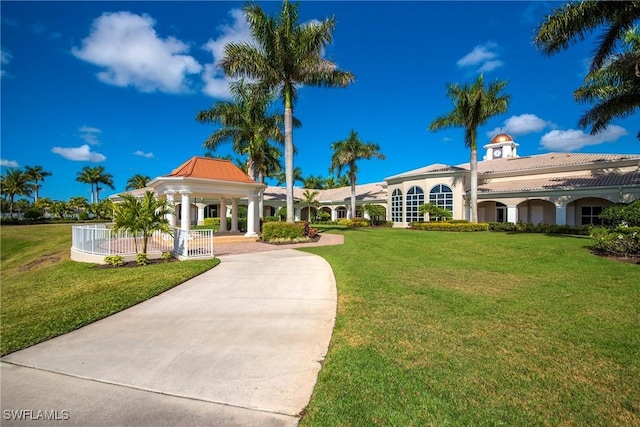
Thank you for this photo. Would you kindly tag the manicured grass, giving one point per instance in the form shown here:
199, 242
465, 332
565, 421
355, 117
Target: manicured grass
44, 294
451, 329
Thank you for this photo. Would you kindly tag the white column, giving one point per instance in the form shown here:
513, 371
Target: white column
171, 217
257, 214
201, 207
512, 214
223, 215
251, 213
234, 215
334, 214
561, 215
185, 211
297, 214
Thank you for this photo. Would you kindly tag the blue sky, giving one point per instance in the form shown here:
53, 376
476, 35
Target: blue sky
118, 84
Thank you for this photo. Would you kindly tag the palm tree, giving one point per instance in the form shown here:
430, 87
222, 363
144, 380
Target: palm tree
473, 106
36, 174
309, 200
14, 183
78, 204
144, 216
244, 121
314, 182
137, 181
574, 22
281, 177
614, 89
285, 56
345, 155
94, 177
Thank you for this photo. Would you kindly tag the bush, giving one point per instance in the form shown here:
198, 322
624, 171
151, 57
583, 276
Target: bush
167, 255
354, 222
211, 222
522, 227
271, 218
114, 260
282, 231
448, 226
622, 214
33, 212
619, 241
83, 216
502, 226
141, 259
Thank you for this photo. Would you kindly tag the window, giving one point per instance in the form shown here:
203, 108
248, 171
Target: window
396, 206
415, 198
341, 212
590, 215
442, 197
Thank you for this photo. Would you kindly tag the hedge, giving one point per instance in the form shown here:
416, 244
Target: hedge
450, 226
282, 231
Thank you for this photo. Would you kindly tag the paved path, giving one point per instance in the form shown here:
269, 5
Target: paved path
240, 345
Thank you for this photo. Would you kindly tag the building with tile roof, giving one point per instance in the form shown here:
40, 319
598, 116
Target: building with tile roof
551, 188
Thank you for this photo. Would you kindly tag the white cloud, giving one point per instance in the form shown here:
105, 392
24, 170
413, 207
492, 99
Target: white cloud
5, 58
482, 57
143, 154
132, 54
216, 82
9, 163
520, 125
77, 154
571, 140
89, 134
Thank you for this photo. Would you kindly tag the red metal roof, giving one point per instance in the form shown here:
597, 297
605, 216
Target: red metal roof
210, 168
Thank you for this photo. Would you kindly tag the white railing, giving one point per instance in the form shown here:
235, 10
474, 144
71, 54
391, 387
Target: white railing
100, 239
193, 243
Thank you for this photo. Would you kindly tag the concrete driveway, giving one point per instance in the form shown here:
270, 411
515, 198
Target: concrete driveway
240, 345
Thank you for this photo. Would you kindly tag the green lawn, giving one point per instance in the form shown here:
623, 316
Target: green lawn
43, 294
451, 329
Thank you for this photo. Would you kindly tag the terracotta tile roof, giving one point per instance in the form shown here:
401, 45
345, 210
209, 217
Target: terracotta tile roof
569, 182
210, 168
374, 191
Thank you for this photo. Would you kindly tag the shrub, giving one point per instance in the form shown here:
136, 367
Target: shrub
622, 213
448, 226
114, 260
33, 212
552, 228
322, 216
141, 259
309, 231
210, 222
83, 216
354, 222
167, 255
619, 241
242, 224
502, 226
271, 218
283, 231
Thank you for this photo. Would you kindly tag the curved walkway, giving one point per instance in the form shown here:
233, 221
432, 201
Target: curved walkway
240, 345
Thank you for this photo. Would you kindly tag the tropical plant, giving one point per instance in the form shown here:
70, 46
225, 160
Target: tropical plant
285, 55
15, 182
137, 181
435, 212
144, 216
345, 155
36, 174
309, 200
78, 204
314, 182
473, 106
613, 80
281, 177
59, 209
94, 176
374, 212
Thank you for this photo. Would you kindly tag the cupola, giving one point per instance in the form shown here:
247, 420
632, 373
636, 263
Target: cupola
501, 146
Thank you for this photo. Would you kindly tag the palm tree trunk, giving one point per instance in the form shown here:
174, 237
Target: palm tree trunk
261, 195
353, 197
474, 185
288, 155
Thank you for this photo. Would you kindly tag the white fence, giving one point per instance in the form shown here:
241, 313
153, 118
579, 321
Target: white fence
100, 239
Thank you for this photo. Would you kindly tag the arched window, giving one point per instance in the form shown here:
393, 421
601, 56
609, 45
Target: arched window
415, 198
396, 206
341, 212
442, 197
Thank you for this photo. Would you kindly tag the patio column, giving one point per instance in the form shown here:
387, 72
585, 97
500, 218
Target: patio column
201, 207
512, 214
223, 215
185, 211
251, 215
171, 217
234, 215
334, 214
561, 215
297, 214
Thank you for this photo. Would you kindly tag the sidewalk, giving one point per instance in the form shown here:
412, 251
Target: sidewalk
241, 345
